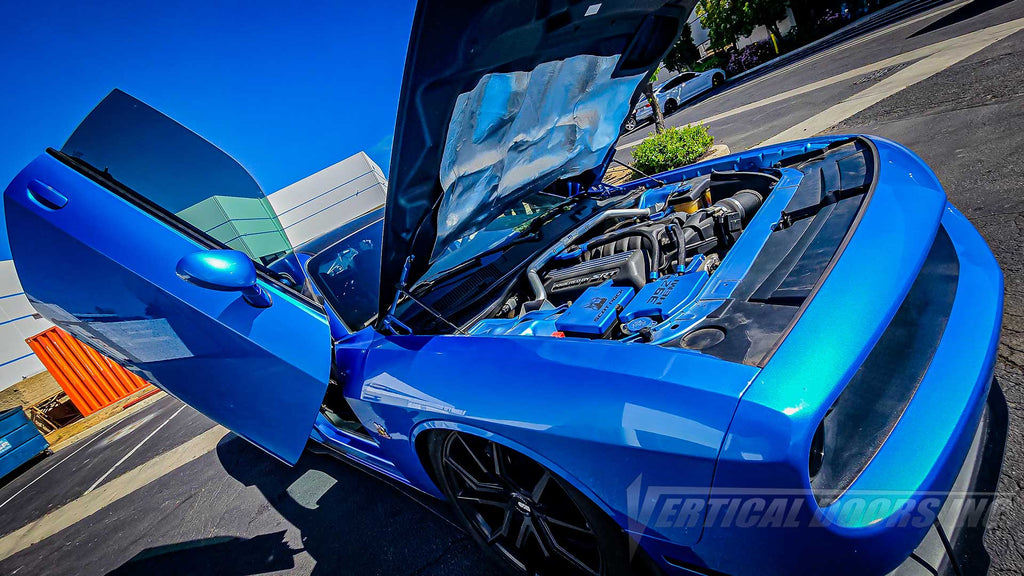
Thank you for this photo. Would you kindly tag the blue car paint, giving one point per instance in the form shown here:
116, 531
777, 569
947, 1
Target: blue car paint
919, 459
265, 370
541, 417
614, 418
579, 403
536, 323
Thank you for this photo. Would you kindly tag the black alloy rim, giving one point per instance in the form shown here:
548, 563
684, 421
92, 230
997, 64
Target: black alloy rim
518, 508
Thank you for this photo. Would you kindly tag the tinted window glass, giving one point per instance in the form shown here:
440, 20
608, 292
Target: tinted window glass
181, 172
348, 275
672, 83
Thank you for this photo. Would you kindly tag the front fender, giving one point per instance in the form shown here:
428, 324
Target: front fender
613, 419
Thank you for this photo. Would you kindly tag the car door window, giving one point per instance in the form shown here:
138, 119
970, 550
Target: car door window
181, 173
673, 83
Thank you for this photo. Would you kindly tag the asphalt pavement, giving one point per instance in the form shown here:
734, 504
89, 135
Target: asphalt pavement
226, 508
165, 491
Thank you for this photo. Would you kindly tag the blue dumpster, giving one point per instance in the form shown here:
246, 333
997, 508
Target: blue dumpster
20, 440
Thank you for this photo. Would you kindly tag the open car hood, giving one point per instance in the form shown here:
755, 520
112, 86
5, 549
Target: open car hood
501, 99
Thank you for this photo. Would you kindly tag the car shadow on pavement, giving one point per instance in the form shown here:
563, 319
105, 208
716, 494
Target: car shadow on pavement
225, 556
348, 521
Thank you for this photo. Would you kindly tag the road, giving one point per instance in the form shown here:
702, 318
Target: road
195, 499
167, 491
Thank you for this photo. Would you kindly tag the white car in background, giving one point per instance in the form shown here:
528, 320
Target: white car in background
676, 92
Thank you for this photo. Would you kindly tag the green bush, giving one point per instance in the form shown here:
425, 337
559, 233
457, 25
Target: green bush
713, 61
673, 148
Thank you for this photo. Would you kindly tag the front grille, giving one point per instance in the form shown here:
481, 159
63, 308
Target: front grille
875, 398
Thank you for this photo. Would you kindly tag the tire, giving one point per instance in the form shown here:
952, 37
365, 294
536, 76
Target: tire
717, 80
630, 124
527, 518
670, 107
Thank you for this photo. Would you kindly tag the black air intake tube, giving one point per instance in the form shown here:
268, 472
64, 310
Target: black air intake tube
719, 226
745, 203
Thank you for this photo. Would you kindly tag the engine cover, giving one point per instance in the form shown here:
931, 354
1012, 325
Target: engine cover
664, 296
593, 315
623, 268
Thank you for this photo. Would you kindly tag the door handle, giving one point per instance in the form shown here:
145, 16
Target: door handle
46, 195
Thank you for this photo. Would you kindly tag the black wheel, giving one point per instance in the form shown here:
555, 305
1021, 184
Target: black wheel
717, 80
531, 520
670, 107
630, 123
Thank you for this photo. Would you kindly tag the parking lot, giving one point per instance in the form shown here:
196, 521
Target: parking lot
166, 491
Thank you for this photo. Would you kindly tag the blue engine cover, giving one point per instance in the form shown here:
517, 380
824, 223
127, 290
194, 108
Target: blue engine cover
665, 296
594, 313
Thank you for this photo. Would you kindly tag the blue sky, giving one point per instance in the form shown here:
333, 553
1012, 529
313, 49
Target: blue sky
287, 88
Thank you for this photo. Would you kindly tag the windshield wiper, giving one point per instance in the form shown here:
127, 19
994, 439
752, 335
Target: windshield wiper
391, 321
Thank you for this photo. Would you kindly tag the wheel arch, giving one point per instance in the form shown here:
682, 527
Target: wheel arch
424, 430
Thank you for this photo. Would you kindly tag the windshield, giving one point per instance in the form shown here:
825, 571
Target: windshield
180, 172
499, 231
348, 275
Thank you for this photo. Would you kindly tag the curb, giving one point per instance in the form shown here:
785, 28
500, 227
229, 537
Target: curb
622, 175
716, 151
863, 25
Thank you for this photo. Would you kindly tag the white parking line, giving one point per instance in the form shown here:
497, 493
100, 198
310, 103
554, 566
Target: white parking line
968, 45
125, 484
947, 50
66, 458
132, 451
850, 44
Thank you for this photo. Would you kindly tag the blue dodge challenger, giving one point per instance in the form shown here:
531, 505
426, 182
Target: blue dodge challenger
776, 362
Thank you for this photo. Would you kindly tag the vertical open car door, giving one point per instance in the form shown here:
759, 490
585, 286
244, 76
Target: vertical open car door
98, 232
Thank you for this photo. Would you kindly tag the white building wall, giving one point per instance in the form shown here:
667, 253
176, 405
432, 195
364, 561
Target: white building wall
18, 321
331, 197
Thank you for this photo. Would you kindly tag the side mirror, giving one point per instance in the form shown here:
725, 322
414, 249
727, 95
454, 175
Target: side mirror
225, 271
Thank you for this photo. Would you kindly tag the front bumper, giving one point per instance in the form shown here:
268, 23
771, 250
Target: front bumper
954, 544
766, 450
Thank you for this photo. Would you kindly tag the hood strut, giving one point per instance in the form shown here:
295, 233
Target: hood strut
391, 322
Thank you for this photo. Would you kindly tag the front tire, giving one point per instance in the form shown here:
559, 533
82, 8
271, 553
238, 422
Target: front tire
527, 518
717, 80
670, 107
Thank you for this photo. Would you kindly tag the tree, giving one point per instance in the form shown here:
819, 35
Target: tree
684, 53
659, 118
765, 13
729, 20
721, 21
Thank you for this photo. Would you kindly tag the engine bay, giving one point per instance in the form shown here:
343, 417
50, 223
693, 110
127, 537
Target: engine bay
635, 268
648, 273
